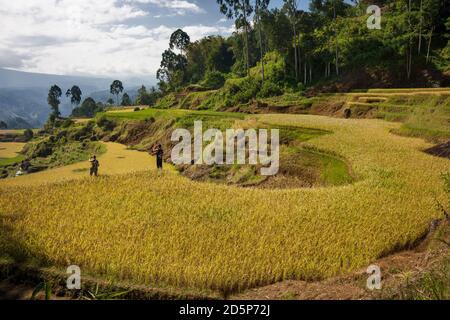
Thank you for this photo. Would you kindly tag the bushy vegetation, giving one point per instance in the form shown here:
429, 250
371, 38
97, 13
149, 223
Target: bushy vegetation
87, 109
214, 80
146, 97
289, 49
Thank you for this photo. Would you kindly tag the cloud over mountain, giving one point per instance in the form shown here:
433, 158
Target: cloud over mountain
93, 37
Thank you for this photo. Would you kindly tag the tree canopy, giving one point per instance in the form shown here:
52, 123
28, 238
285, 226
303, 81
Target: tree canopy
75, 95
180, 40
88, 109
116, 88
126, 100
329, 41
54, 94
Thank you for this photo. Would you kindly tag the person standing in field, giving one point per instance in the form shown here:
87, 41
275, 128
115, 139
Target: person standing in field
158, 151
94, 166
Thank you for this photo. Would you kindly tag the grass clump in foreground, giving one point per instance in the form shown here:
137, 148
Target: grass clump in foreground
168, 230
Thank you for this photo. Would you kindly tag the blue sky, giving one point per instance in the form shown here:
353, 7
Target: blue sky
210, 13
106, 38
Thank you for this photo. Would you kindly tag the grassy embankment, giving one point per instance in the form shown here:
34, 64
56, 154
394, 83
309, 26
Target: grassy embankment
300, 166
424, 112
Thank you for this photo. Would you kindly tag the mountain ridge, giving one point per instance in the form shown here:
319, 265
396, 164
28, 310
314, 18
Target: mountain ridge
23, 95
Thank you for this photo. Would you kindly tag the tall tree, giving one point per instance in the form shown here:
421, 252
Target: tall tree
126, 100
240, 10
75, 95
260, 8
336, 35
180, 40
172, 70
142, 91
292, 10
116, 88
54, 94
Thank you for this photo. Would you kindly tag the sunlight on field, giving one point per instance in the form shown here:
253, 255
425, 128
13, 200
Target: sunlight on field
10, 131
117, 160
168, 230
10, 149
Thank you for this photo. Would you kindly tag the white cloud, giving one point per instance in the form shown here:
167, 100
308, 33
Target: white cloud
84, 37
200, 31
180, 6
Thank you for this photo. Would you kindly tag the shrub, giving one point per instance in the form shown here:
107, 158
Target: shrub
82, 133
87, 109
166, 102
67, 123
247, 90
270, 89
214, 80
137, 109
28, 134
106, 124
43, 149
274, 68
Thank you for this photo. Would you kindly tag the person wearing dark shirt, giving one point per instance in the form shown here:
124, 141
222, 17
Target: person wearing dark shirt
159, 153
94, 166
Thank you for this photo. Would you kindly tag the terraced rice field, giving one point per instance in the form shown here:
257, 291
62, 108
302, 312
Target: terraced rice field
10, 149
165, 230
9, 152
117, 160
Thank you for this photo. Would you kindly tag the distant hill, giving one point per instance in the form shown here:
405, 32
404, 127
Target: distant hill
18, 79
104, 95
27, 108
23, 95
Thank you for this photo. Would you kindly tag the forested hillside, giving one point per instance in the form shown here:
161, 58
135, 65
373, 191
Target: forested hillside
334, 46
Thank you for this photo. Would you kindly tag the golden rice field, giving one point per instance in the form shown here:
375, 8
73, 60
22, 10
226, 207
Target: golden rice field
117, 160
167, 230
10, 149
11, 131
